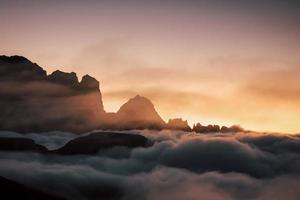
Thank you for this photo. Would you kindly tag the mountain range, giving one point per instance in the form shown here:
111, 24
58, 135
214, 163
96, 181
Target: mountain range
32, 101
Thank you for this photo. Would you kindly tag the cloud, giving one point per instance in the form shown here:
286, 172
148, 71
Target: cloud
179, 165
280, 85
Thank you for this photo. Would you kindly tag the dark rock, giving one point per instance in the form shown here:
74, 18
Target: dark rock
231, 129
89, 83
64, 78
198, 128
31, 101
139, 112
19, 68
93, 143
178, 124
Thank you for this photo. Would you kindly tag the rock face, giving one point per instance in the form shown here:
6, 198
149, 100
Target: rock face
198, 128
138, 112
19, 68
32, 101
63, 78
93, 143
89, 83
178, 124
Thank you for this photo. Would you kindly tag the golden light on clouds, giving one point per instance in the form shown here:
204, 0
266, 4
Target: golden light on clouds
199, 61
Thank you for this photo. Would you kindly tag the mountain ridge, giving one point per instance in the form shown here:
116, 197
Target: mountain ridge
59, 101
33, 101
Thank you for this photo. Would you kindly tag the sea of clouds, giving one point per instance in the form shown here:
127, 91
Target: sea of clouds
179, 166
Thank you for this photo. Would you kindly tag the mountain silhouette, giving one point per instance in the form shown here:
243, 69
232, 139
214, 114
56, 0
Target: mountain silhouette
20, 68
33, 101
138, 112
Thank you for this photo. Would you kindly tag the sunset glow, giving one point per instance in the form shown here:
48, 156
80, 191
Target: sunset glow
205, 61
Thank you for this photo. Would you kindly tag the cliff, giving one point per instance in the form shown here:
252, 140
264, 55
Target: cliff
32, 101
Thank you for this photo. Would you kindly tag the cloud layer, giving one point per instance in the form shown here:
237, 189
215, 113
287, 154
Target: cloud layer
178, 166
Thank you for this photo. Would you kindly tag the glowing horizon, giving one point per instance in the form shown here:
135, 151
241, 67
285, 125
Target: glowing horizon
213, 62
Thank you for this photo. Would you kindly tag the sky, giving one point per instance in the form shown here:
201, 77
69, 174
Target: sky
213, 62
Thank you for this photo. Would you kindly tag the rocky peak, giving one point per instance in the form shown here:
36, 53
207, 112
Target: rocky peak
137, 104
19, 68
89, 83
179, 124
139, 109
14, 59
64, 78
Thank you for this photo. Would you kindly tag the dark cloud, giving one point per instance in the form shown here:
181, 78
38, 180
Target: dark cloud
180, 165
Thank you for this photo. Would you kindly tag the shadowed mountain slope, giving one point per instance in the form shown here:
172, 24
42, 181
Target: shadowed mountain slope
33, 101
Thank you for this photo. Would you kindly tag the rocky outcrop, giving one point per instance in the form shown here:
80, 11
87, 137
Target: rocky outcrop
231, 129
198, 128
178, 124
64, 78
19, 68
89, 83
32, 101
138, 112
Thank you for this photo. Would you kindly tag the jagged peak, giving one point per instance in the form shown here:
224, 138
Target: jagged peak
14, 59
89, 82
58, 72
20, 68
140, 108
69, 78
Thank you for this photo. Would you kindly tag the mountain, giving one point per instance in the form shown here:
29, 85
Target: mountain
178, 124
19, 68
138, 112
32, 101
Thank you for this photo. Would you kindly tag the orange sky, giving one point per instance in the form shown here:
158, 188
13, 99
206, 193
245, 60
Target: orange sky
223, 63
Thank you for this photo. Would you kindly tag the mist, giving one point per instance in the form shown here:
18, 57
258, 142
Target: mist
179, 165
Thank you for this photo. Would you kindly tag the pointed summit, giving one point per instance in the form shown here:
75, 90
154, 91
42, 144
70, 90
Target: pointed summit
89, 83
139, 112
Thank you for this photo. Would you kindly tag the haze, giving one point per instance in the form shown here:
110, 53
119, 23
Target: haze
222, 62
